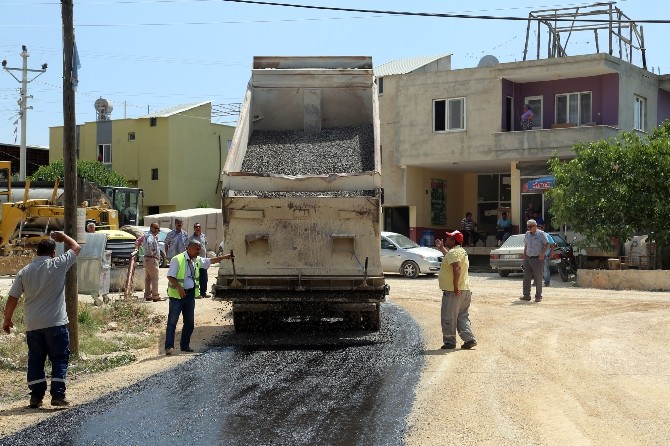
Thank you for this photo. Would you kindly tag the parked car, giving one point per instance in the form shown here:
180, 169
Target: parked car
509, 257
139, 231
400, 254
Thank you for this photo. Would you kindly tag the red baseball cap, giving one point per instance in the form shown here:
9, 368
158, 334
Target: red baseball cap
456, 235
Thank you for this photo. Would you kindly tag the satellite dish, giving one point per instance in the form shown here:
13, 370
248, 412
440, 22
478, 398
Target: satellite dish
487, 61
104, 109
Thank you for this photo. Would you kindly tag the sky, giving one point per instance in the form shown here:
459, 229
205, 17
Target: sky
148, 55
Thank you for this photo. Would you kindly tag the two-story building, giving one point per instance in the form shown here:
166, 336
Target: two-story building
175, 155
452, 140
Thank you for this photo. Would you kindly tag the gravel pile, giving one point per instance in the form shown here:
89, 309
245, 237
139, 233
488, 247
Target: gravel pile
295, 152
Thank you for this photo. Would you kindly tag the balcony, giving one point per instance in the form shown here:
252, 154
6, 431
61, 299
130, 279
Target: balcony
544, 142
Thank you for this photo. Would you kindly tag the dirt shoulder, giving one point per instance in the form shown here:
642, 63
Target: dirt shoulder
585, 366
212, 318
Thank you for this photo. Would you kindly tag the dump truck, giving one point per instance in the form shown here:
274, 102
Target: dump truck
301, 196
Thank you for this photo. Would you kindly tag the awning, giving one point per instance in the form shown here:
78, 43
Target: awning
539, 185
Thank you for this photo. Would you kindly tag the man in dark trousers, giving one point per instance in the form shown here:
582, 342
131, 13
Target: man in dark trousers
535, 246
42, 283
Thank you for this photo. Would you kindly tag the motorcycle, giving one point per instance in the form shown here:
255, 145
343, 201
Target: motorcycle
567, 266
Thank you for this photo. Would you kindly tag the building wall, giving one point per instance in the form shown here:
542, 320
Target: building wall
198, 151
635, 81
604, 97
663, 106
416, 141
394, 178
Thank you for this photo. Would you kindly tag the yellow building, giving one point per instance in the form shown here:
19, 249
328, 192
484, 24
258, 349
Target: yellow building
175, 155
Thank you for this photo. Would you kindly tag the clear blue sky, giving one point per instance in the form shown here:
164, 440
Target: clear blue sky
152, 54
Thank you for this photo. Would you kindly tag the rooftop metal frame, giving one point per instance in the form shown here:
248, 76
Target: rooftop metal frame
621, 30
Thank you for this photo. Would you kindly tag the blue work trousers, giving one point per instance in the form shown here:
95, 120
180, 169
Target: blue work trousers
547, 270
52, 343
203, 281
186, 307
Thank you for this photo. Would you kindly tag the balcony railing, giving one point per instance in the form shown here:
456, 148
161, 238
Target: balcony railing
547, 141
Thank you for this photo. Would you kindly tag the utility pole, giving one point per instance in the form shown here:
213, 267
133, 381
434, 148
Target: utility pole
23, 102
70, 168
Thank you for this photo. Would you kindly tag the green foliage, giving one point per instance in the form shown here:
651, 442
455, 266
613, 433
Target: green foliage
203, 204
101, 347
615, 188
92, 171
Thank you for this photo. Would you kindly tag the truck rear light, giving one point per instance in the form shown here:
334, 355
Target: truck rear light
494, 256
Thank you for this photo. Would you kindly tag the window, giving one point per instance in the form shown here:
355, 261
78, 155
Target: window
152, 122
131, 136
640, 113
438, 201
154, 174
105, 154
535, 104
573, 108
448, 114
380, 85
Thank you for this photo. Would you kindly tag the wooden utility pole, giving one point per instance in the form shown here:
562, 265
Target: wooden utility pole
70, 167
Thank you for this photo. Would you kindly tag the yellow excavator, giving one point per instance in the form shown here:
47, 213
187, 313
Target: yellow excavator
24, 223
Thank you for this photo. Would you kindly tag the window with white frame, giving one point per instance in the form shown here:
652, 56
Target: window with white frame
640, 113
448, 114
536, 105
105, 154
573, 108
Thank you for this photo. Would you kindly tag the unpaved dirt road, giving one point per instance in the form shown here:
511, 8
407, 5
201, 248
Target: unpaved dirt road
584, 367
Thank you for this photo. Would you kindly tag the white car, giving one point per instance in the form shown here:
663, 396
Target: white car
401, 255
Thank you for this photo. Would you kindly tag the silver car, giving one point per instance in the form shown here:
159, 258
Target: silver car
139, 231
400, 254
509, 257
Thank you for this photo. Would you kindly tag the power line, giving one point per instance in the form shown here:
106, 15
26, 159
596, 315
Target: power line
440, 15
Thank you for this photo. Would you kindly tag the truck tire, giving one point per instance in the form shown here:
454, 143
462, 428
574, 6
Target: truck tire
163, 263
563, 271
242, 320
503, 273
410, 269
372, 319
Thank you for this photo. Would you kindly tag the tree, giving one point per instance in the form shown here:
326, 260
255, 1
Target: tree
615, 189
92, 171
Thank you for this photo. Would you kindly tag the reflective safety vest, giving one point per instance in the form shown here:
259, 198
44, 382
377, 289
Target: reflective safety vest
181, 274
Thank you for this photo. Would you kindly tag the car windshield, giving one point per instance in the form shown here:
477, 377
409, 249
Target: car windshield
560, 241
402, 241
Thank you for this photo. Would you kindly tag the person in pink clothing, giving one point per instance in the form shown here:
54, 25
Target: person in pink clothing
527, 118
